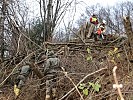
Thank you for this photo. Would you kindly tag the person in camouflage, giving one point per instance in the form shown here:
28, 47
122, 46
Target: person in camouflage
51, 70
21, 78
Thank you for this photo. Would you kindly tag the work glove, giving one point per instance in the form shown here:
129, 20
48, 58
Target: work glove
16, 90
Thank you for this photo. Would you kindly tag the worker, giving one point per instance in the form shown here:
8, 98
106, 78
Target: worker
93, 25
21, 78
101, 28
51, 71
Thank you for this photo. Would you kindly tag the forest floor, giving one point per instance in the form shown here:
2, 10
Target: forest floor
84, 64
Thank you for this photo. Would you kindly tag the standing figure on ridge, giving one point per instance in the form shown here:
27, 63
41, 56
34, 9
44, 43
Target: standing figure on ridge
93, 25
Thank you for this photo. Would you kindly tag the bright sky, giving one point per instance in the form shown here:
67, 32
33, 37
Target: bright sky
103, 2
80, 7
83, 3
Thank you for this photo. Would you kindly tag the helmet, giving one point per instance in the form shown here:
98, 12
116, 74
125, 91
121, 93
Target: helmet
93, 14
104, 21
50, 53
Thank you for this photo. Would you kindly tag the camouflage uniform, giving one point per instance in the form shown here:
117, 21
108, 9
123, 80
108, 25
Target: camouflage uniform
21, 79
51, 70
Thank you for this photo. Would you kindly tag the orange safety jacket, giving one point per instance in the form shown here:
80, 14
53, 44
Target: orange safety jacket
99, 31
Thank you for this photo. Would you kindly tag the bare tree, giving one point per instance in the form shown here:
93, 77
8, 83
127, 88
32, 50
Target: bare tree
17, 19
52, 12
2, 23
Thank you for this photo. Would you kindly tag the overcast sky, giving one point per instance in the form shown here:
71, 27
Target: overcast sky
80, 7
103, 2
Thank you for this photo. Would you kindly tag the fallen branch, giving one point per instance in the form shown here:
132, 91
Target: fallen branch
73, 83
81, 82
116, 85
78, 44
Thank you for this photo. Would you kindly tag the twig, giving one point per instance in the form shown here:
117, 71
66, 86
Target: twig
78, 36
116, 83
114, 40
73, 84
79, 44
81, 82
18, 43
17, 27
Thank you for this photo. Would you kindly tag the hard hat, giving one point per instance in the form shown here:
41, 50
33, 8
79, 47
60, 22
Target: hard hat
104, 21
50, 53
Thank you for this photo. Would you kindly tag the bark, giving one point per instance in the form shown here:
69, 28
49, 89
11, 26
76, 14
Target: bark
49, 17
129, 32
2, 20
49, 21
43, 16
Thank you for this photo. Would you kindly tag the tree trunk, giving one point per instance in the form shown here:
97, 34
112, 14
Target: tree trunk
49, 22
129, 32
2, 20
49, 16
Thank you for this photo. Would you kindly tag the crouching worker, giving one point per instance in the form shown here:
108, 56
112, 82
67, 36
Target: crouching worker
51, 70
21, 78
100, 30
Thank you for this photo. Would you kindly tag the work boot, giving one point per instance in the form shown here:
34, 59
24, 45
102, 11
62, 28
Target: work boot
54, 93
48, 97
48, 93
